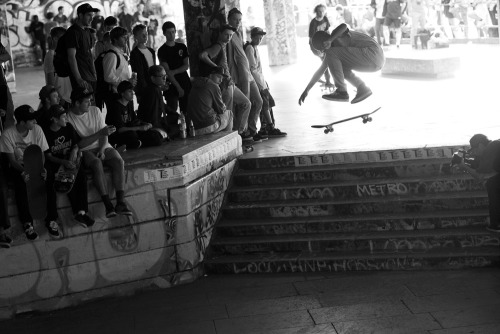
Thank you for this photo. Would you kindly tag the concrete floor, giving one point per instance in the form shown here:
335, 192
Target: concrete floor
437, 302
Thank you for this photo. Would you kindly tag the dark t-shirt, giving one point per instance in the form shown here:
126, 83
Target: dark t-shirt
357, 40
61, 142
393, 9
316, 25
61, 19
119, 115
174, 56
126, 21
490, 158
81, 40
38, 30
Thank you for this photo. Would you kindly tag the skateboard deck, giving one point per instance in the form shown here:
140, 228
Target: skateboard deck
35, 187
329, 127
65, 178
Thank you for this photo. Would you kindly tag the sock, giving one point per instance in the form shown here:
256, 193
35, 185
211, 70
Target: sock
120, 196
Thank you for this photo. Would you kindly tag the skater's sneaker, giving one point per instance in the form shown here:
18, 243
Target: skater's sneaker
362, 93
275, 132
263, 134
246, 137
257, 138
5, 241
110, 211
84, 220
338, 95
30, 232
121, 208
54, 230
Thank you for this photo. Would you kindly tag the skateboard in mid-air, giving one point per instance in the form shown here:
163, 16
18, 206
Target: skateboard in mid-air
64, 178
329, 127
35, 187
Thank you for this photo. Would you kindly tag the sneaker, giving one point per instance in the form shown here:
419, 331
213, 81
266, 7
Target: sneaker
263, 134
246, 136
338, 95
257, 138
138, 145
493, 228
362, 93
110, 211
5, 240
275, 132
84, 220
53, 229
122, 209
30, 232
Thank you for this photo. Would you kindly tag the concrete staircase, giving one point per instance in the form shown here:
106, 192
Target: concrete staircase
412, 214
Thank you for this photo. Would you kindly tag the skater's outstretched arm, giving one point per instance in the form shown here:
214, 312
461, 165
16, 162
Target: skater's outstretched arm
313, 81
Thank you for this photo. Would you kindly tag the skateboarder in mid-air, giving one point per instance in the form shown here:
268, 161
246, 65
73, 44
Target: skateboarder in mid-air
346, 51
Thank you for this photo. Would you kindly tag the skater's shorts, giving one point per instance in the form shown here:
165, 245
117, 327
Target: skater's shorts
395, 22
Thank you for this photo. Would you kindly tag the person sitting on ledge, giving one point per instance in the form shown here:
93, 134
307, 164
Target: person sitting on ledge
486, 154
96, 151
346, 51
130, 130
48, 97
206, 108
152, 108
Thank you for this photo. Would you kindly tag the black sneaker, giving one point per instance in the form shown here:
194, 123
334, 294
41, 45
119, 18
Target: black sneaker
84, 220
30, 232
110, 211
5, 240
121, 208
362, 93
246, 137
275, 132
263, 134
339, 96
54, 230
257, 138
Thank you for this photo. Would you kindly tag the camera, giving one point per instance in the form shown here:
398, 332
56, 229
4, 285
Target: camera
462, 155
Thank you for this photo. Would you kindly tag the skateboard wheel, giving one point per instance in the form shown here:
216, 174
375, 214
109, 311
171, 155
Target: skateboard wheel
369, 119
326, 131
365, 121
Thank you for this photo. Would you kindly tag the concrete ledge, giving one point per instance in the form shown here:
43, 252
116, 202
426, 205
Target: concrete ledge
438, 63
175, 193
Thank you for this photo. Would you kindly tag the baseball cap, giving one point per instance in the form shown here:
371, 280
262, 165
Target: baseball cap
257, 31
79, 93
46, 91
86, 8
25, 113
123, 86
56, 111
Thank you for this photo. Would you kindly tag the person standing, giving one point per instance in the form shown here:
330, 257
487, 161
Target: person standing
37, 33
60, 18
79, 49
239, 69
392, 18
417, 11
320, 23
174, 58
141, 59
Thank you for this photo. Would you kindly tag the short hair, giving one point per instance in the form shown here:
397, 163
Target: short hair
116, 33
49, 15
477, 139
35, 16
227, 27
318, 7
233, 11
137, 28
155, 70
318, 38
57, 32
339, 7
168, 25
110, 21
60, 7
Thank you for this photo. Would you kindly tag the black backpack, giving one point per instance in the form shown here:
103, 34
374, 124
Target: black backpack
61, 63
102, 86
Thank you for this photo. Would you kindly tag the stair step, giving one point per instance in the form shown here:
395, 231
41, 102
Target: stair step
357, 171
350, 218
396, 198
364, 235
353, 261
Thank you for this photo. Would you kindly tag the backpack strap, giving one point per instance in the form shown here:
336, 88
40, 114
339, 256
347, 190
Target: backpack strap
104, 53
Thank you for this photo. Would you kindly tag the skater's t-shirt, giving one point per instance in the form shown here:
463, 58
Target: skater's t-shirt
62, 141
88, 124
315, 25
13, 142
357, 40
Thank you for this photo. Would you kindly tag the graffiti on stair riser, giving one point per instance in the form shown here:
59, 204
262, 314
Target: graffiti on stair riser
303, 266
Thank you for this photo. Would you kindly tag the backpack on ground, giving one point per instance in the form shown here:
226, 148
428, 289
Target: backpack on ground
61, 63
102, 86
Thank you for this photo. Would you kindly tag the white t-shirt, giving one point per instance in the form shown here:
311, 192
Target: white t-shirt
148, 55
13, 142
88, 124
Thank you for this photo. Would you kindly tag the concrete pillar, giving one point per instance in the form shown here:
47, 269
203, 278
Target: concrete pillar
280, 28
202, 19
